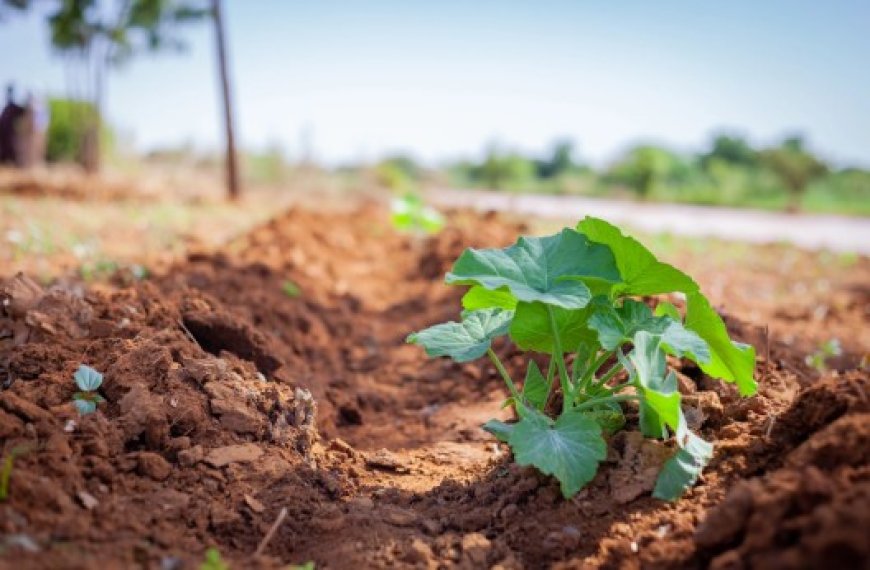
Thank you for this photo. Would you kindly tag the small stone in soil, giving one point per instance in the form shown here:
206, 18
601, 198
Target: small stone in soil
87, 500
243, 453
154, 466
386, 460
254, 504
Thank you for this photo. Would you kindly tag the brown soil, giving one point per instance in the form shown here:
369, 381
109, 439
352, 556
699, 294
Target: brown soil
229, 400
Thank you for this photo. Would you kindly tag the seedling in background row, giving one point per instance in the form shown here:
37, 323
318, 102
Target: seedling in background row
88, 380
575, 297
410, 214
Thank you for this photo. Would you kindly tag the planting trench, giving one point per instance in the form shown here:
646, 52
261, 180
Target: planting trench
230, 400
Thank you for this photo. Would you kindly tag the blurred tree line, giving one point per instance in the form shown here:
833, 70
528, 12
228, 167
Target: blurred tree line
729, 172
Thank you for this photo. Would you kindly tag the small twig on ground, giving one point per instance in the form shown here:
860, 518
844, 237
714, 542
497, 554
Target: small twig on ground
860, 390
188, 333
272, 530
770, 427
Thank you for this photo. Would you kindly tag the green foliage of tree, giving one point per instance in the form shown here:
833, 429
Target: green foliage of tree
732, 150
67, 126
504, 170
795, 166
560, 162
399, 172
96, 35
646, 166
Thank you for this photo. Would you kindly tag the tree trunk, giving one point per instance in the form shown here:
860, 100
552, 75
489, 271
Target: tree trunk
233, 188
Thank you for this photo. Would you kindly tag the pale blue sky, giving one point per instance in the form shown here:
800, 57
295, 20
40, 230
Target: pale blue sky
442, 79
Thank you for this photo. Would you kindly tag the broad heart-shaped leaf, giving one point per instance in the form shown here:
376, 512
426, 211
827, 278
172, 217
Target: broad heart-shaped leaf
682, 470
535, 388
531, 328
540, 269
730, 361
482, 298
569, 449
87, 378
467, 340
642, 273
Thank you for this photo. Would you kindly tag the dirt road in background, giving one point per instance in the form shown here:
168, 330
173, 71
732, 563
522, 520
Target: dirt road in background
811, 231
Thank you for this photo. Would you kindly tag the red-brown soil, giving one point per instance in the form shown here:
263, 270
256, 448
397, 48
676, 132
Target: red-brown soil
229, 400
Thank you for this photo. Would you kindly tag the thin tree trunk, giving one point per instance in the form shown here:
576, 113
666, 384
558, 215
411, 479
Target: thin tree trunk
233, 188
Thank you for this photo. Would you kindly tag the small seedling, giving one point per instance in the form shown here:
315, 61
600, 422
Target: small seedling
307, 566
213, 561
291, 289
88, 380
6, 470
411, 214
819, 359
576, 296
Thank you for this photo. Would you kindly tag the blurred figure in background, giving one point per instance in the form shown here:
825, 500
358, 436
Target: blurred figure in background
30, 133
9, 119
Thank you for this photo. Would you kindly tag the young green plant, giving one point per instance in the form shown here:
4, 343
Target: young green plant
88, 381
8, 465
575, 298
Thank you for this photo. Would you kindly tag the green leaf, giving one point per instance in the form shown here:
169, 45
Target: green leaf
501, 430
87, 378
535, 388
481, 298
616, 325
665, 309
467, 340
679, 341
642, 273
730, 361
681, 471
660, 400
569, 449
539, 269
85, 407
531, 329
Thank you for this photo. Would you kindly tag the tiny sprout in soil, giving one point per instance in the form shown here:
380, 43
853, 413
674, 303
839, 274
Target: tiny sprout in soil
578, 297
290, 289
213, 561
819, 359
8, 465
88, 381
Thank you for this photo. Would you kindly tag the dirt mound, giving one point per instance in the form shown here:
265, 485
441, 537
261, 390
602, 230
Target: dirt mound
272, 376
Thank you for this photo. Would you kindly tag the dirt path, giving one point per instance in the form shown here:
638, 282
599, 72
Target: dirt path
207, 437
809, 231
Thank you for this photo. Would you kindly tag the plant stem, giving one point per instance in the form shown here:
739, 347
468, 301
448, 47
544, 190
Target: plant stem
593, 368
614, 370
619, 387
608, 399
512, 388
567, 396
551, 372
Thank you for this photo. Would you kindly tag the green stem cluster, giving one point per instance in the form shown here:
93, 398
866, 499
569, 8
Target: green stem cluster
579, 391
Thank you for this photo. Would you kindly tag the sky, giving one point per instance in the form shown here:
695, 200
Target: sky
350, 81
